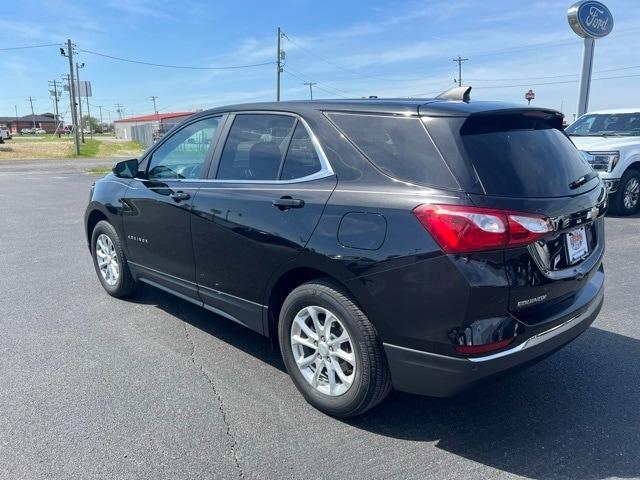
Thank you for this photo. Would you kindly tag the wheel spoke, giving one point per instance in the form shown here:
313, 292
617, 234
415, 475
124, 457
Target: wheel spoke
341, 339
347, 357
303, 341
331, 375
346, 380
306, 361
305, 328
313, 313
316, 375
328, 322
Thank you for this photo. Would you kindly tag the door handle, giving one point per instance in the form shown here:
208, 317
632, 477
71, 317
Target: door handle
180, 196
285, 203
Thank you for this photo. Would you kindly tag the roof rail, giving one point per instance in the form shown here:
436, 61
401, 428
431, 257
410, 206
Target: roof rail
456, 93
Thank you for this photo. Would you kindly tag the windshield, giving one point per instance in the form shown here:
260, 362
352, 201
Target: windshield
613, 124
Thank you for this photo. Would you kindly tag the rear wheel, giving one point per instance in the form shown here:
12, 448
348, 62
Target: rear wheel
110, 262
627, 199
332, 351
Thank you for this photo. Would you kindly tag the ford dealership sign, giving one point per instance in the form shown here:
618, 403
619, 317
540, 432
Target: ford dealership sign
590, 19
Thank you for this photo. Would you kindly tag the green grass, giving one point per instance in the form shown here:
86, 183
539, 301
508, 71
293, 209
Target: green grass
90, 148
98, 171
101, 148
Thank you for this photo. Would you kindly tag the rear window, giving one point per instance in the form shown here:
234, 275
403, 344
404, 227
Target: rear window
523, 155
398, 146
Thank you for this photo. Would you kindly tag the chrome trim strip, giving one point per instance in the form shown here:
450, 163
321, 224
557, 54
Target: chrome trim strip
325, 170
530, 342
232, 296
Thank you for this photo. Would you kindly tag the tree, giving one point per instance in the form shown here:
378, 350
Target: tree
91, 122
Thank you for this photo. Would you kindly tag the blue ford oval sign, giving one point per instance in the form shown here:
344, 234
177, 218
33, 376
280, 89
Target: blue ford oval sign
590, 18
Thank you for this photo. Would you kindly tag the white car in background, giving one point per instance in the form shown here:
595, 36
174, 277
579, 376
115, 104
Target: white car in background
610, 142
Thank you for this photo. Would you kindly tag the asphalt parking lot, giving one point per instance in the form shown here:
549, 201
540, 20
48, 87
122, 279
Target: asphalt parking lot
94, 387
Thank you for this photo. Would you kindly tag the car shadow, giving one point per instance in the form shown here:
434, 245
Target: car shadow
574, 415
222, 328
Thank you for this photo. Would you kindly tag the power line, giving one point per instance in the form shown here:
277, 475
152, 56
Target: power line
307, 79
554, 83
550, 76
317, 84
30, 46
164, 65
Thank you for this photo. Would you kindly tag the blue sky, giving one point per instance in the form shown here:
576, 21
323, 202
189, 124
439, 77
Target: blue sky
351, 48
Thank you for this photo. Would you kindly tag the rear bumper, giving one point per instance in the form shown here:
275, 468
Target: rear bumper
425, 373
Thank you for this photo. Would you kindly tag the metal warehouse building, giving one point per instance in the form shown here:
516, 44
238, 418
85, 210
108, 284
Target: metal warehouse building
146, 128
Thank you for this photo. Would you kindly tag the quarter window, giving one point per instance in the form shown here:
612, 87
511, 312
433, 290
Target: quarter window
302, 159
183, 154
255, 146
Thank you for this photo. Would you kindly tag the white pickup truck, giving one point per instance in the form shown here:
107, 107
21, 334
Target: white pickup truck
610, 142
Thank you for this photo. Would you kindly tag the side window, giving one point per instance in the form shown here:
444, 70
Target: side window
184, 152
255, 146
302, 159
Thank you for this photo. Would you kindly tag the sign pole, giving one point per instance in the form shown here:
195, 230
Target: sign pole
585, 75
589, 19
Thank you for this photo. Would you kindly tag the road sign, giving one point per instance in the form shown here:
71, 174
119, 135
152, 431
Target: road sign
530, 95
83, 88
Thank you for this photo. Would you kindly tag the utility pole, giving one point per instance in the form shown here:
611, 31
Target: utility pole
55, 103
16, 107
33, 117
72, 93
78, 67
460, 60
153, 98
279, 58
119, 110
100, 108
311, 84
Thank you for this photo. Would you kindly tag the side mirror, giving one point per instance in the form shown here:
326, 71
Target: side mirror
126, 168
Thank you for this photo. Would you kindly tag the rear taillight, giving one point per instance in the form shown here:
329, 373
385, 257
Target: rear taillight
464, 229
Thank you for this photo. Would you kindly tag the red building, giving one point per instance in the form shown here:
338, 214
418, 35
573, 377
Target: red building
45, 121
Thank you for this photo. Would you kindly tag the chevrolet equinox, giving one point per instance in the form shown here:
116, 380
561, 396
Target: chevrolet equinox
422, 245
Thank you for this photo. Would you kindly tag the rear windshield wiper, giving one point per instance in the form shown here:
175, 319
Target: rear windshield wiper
582, 180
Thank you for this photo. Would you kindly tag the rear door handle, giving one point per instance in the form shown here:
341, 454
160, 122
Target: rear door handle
285, 203
180, 196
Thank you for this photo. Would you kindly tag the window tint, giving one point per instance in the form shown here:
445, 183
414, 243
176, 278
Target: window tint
254, 147
183, 153
520, 156
302, 159
399, 146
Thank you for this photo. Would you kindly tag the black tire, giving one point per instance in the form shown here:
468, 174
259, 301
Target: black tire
125, 285
372, 380
617, 205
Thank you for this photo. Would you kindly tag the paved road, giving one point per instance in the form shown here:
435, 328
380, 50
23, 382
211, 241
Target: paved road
93, 387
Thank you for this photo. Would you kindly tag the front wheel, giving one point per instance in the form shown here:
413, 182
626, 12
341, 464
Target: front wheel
627, 198
110, 262
331, 350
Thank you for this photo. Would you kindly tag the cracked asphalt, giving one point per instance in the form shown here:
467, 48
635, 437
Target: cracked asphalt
154, 387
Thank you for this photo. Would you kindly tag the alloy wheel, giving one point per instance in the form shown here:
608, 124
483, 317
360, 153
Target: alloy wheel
631, 194
107, 259
323, 350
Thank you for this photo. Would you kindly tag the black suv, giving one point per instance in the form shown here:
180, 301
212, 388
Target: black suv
423, 245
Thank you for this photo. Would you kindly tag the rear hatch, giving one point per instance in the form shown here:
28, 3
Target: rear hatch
521, 161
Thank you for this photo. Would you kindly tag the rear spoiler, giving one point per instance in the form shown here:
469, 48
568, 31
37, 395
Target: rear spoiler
456, 93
